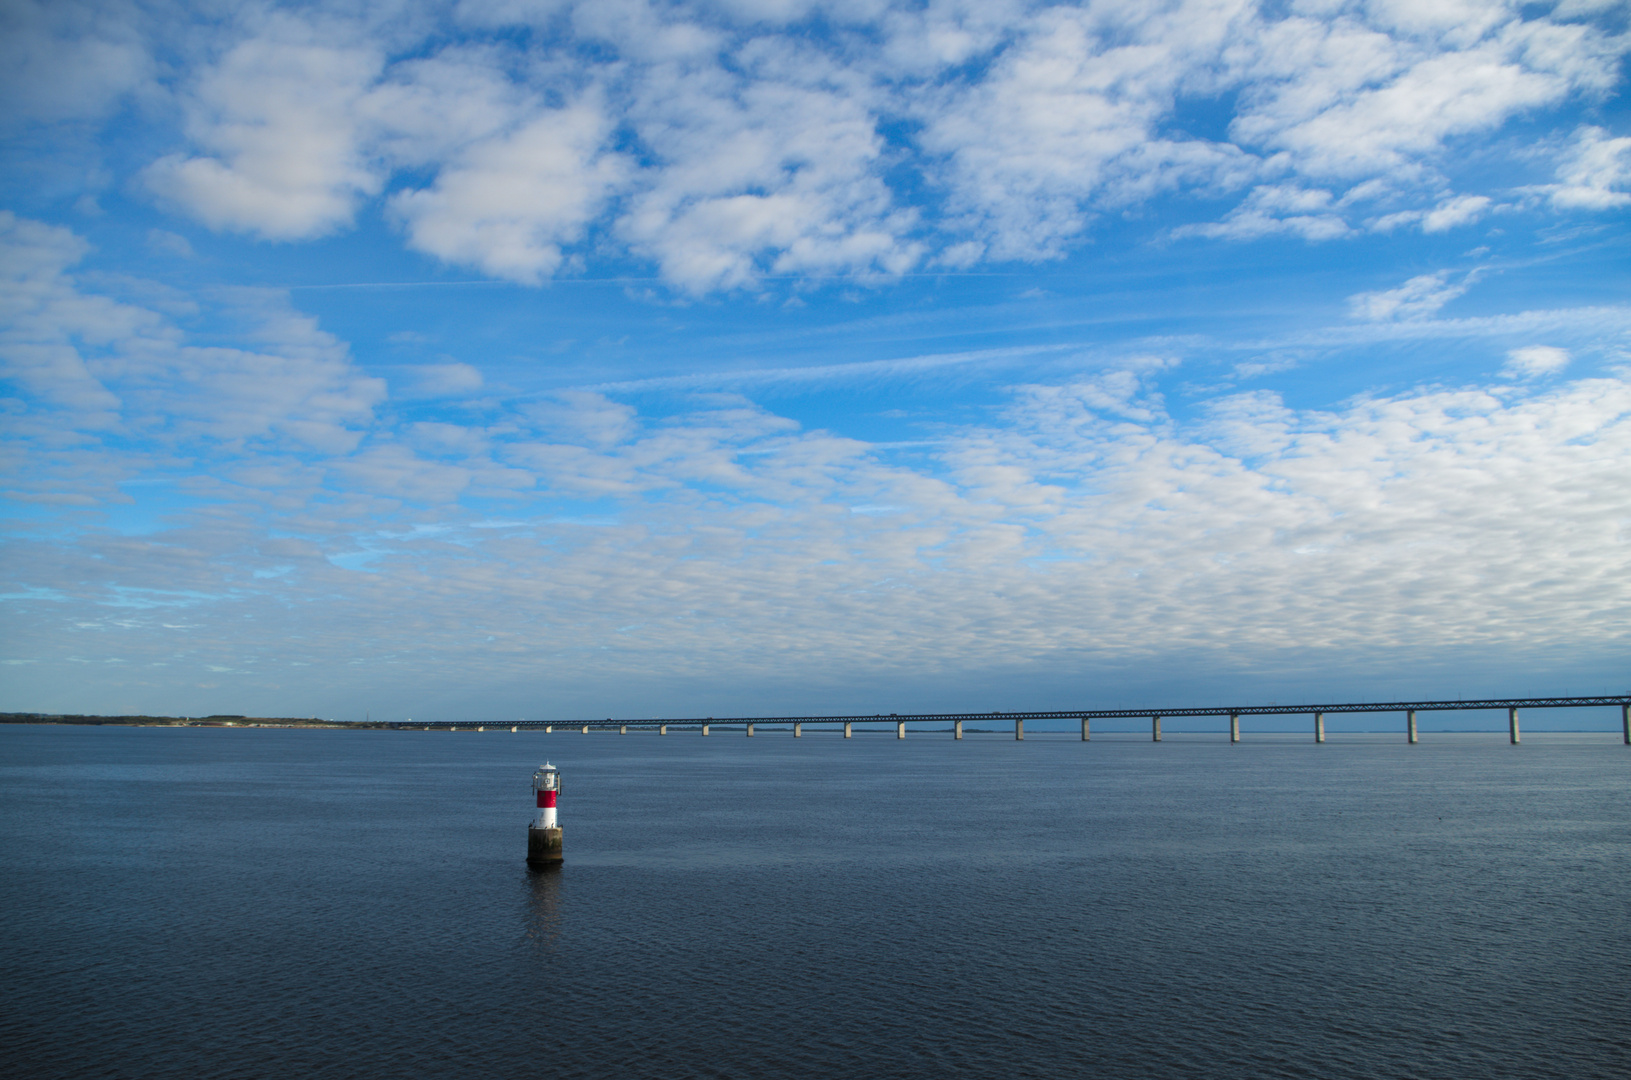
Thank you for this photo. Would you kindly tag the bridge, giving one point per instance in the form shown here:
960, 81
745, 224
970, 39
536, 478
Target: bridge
1406, 709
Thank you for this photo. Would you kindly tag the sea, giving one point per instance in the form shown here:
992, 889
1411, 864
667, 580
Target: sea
225, 903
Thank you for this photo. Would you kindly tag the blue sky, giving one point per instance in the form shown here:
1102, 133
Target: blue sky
507, 358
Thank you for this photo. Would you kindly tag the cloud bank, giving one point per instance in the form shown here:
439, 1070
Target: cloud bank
573, 542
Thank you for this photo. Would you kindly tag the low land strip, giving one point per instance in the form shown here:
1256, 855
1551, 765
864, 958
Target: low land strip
218, 720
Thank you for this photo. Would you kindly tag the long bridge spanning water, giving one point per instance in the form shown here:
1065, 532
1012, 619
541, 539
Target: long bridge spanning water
1407, 711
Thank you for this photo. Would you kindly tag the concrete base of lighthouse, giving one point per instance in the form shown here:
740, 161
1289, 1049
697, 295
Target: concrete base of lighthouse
543, 847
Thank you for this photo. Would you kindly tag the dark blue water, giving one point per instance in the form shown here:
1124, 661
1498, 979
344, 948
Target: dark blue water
234, 903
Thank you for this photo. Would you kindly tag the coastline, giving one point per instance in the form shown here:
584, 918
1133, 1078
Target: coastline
214, 720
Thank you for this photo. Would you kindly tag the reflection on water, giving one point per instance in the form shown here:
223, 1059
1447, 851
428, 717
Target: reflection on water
543, 905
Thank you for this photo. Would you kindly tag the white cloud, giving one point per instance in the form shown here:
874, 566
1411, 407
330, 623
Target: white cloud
1595, 172
88, 363
1574, 9
506, 205
1349, 100
278, 120
642, 31
1418, 298
446, 380
1533, 360
47, 324
424, 111
1454, 212
1277, 209
1068, 120
494, 14
398, 472
770, 169
1451, 212
1252, 369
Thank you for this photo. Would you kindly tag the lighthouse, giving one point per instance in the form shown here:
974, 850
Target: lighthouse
544, 834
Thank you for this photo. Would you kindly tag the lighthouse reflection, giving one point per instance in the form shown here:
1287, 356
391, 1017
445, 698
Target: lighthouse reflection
543, 886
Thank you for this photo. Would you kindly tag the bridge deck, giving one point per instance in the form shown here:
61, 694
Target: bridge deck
1330, 709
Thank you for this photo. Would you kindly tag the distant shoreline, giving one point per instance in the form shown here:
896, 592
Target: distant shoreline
215, 720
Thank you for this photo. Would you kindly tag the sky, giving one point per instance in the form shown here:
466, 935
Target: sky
531, 358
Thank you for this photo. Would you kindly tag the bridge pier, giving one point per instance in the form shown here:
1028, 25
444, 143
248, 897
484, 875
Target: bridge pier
1513, 707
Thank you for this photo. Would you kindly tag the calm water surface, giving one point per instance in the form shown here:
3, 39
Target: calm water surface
240, 903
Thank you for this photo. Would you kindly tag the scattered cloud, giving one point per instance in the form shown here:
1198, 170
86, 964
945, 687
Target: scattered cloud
1418, 298
1069, 119
508, 204
1454, 212
1085, 521
169, 243
1595, 172
1451, 213
451, 379
1535, 360
727, 144
1252, 369
1277, 209
118, 371
1344, 99
773, 169
276, 121
69, 61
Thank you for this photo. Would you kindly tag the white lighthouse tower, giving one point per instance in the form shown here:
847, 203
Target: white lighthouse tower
544, 833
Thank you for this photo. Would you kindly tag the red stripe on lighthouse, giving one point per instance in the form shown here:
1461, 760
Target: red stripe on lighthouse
546, 798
